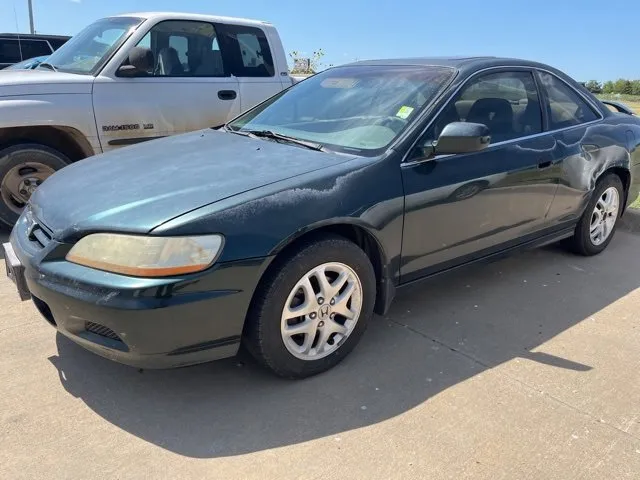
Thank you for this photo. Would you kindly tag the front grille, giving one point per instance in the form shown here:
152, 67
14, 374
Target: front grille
101, 330
40, 236
37, 233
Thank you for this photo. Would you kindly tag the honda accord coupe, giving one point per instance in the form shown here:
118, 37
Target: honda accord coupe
287, 228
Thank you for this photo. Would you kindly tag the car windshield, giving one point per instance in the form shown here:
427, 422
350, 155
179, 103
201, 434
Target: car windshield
357, 109
88, 51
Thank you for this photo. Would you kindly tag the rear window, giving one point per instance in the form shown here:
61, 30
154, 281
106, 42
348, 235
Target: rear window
246, 51
13, 51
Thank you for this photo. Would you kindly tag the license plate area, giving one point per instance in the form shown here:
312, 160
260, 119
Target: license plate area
15, 271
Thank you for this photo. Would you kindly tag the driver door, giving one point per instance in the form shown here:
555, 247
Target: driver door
465, 205
188, 88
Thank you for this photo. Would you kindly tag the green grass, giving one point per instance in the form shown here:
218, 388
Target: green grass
633, 101
636, 204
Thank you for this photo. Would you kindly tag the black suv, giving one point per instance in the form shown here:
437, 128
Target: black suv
15, 47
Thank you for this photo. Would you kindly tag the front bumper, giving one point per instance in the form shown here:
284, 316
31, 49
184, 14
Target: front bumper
142, 322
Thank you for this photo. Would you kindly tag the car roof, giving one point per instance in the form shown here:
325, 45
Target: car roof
159, 16
465, 64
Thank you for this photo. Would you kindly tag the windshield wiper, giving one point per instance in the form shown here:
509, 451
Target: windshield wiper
47, 65
285, 138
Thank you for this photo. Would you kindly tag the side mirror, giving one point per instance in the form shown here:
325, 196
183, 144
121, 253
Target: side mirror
128, 71
141, 62
463, 137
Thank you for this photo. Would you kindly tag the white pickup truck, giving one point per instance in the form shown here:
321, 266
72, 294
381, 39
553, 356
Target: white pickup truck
127, 79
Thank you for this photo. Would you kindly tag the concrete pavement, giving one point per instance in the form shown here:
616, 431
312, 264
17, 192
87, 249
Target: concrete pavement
525, 368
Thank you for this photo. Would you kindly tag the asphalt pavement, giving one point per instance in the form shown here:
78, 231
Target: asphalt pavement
526, 368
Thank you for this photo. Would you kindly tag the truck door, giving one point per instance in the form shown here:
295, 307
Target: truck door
248, 54
188, 87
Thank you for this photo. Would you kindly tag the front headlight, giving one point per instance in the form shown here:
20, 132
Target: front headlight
144, 256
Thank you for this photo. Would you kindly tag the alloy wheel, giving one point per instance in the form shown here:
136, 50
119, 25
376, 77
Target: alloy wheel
604, 216
321, 311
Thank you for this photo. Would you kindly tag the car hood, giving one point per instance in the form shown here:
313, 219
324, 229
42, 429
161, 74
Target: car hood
135, 189
42, 82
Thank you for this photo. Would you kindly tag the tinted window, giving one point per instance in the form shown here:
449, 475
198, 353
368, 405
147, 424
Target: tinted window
565, 107
10, 50
247, 51
184, 49
506, 102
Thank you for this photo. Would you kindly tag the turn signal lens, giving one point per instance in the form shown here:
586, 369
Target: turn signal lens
144, 256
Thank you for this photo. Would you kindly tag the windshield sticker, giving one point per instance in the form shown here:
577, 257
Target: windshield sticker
339, 82
404, 112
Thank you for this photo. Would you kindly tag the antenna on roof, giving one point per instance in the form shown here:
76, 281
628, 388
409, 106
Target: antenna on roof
15, 14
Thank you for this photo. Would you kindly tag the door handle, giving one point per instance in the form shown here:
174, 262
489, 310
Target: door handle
227, 94
543, 165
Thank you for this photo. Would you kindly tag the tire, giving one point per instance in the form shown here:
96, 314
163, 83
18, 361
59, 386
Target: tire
26, 162
582, 242
264, 331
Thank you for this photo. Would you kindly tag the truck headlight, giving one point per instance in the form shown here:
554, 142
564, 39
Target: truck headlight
146, 256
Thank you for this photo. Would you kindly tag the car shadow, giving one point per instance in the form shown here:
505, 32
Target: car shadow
438, 334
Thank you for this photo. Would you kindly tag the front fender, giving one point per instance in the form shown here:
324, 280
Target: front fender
366, 192
71, 111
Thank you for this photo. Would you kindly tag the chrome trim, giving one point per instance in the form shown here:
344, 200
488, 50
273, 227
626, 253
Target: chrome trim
505, 142
528, 68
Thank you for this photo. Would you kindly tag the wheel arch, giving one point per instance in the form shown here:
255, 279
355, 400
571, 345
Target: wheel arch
360, 234
67, 140
625, 177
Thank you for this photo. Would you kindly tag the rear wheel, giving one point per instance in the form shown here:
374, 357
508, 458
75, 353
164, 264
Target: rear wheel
22, 169
600, 219
312, 309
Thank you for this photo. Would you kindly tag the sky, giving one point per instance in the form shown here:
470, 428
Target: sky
588, 39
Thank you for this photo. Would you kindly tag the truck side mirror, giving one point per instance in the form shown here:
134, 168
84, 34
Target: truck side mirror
141, 62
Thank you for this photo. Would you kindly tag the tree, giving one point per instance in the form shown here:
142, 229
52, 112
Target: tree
306, 66
622, 86
635, 87
608, 87
593, 86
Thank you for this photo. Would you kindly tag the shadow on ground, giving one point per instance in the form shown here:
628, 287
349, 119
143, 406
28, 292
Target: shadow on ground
437, 334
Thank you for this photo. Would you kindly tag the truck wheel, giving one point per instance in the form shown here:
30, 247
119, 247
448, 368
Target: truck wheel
22, 168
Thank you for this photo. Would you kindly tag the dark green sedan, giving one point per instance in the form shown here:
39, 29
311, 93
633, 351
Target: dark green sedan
287, 228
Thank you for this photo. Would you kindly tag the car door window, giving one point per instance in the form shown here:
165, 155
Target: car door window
183, 48
36, 48
247, 51
13, 51
506, 102
565, 107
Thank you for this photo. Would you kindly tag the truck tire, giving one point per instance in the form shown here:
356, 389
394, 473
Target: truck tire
22, 168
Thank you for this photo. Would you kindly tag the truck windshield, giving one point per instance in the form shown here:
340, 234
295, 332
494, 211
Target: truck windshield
89, 50
357, 109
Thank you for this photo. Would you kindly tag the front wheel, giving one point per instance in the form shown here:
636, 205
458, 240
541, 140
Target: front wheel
23, 168
600, 219
312, 309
